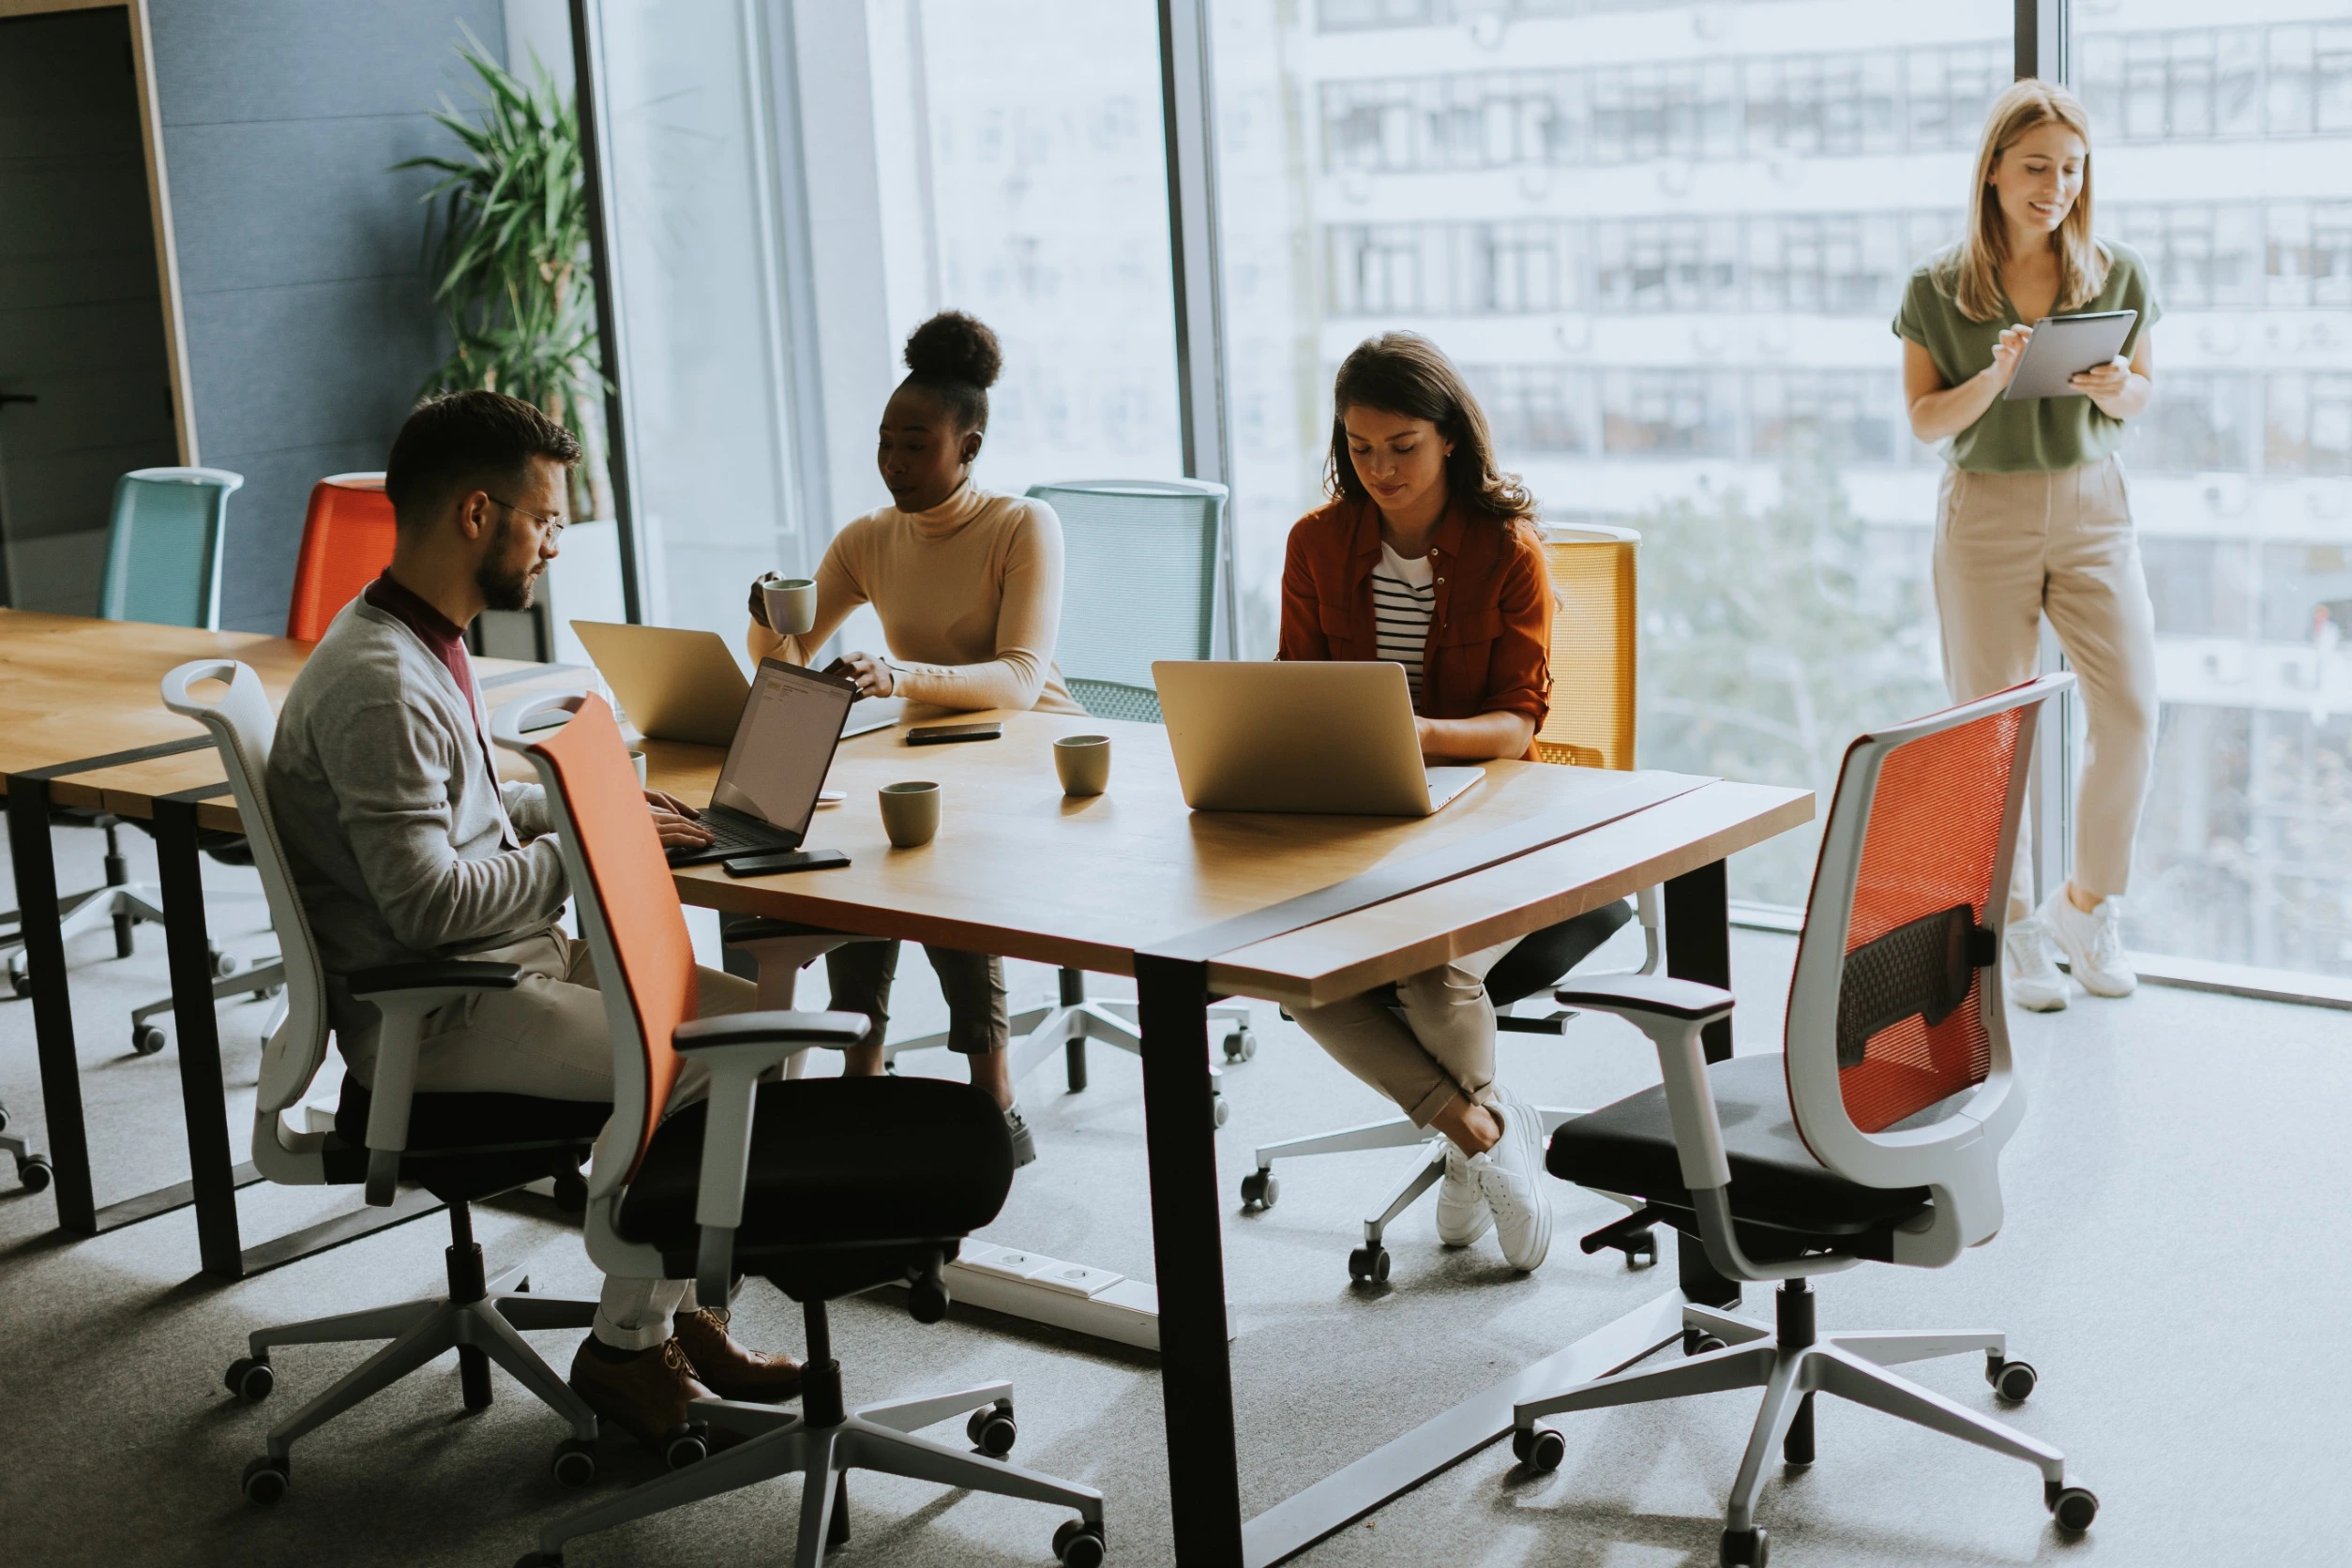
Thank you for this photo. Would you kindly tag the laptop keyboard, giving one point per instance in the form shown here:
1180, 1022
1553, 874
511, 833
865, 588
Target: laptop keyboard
732, 833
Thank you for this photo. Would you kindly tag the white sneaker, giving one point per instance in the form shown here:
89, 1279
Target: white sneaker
1463, 1213
2031, 980
1512, 1173
2093, 942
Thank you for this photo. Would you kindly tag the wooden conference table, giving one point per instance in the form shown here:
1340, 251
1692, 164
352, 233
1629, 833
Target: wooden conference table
82, 724
1297, 910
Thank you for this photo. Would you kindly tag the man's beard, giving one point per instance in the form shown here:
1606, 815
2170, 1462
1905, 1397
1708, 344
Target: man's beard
504, 588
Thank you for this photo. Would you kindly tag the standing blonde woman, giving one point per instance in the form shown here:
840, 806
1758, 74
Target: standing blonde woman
2034, 517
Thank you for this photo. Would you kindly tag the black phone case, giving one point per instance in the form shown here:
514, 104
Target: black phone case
917, 737
788, 860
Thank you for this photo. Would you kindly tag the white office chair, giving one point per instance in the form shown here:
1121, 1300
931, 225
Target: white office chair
460, 1147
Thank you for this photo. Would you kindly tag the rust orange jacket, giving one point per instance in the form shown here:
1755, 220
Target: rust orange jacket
1491, 633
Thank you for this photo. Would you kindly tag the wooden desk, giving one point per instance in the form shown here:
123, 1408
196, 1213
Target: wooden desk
1131, 883
82, 724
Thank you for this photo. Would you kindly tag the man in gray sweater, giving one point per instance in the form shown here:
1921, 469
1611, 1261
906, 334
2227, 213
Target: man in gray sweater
406, 847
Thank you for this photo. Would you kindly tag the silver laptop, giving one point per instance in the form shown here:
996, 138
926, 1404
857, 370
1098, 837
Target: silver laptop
782, 748
674, 684
1334, 738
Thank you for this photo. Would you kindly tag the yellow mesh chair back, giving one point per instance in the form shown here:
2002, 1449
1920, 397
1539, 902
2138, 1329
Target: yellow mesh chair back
1594, 635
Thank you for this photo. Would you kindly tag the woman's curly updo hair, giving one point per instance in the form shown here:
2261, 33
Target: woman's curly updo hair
956, 358
1405, 374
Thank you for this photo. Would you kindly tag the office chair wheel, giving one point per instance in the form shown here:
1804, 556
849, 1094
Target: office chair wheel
266, 992
2073, 1507
1260, 1190
1746, 1548
33, 1171
1079, 1544
4, 1119
688, 1446
574, 1463
992, 1430
250, 1379
1240, 1046
1539, 1448
1219, 1112
19, 979
540, 1559
148, 1039
1699, 1342
2013, 1381
571, 1195
266, 1480
1641, 1249
1369, 1265
224, 964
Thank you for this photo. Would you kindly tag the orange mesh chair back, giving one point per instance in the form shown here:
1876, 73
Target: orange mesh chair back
346, 543
1594, 637
586, 764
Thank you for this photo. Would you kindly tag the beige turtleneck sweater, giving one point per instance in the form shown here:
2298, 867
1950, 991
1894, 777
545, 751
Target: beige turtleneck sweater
970, 596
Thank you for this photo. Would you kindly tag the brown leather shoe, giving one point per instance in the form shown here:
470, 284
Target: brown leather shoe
734, 1372
647, 1396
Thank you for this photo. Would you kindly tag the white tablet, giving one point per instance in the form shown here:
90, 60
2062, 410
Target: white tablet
2062, 348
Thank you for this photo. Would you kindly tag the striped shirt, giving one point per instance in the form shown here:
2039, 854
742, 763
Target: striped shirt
1404, 597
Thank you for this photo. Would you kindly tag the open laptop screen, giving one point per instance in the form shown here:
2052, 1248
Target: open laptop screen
783, 744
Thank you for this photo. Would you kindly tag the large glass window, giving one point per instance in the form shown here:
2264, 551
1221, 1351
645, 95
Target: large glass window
1667, 276
2231, 181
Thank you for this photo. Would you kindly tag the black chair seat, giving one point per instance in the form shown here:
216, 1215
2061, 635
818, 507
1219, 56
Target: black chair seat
834, 1161
469, 1146
1628, 1147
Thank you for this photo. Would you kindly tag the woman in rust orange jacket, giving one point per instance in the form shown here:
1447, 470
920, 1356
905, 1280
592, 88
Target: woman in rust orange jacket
1428, 557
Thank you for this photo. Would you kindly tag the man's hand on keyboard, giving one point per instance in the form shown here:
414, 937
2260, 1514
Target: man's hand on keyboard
678, 823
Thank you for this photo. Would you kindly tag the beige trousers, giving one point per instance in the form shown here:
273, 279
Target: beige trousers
2012, 548
1443, 1048
549, 1037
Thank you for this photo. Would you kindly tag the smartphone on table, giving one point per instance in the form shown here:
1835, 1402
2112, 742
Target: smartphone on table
945, 734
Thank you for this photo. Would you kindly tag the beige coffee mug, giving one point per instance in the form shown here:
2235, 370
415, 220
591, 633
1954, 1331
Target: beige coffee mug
636, 761
910, 813
791, 603
1083, 763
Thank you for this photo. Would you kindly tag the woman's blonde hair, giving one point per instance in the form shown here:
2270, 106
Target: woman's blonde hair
1973, 271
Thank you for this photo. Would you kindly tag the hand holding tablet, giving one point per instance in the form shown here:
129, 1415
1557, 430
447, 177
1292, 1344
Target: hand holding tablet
2058, 350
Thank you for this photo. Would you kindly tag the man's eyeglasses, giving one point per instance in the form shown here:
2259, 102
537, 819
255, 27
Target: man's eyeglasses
550, 521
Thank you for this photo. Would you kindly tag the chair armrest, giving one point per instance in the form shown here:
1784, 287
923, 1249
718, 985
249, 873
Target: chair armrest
1628, 994
404, 994
738, 1047
444, 974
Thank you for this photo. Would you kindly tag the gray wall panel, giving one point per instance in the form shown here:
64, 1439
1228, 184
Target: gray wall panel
309, 320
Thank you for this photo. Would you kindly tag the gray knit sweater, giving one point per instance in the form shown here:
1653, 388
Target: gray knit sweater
403, 844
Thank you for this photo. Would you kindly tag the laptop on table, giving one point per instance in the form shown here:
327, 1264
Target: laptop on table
777, 761
679, 685
1329, 738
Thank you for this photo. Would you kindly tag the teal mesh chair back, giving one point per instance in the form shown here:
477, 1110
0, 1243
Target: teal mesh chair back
1139, 581
163, 547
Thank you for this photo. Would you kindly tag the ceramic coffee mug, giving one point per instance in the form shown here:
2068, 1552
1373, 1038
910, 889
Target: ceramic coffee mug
636, 761
1083, 763
910, 813
791, 603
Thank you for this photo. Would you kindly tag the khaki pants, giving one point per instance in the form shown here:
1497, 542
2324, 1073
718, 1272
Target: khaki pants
2012, 548
549, 1037
1444, 1047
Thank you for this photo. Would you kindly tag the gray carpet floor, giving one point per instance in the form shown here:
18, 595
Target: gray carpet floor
2158, 1266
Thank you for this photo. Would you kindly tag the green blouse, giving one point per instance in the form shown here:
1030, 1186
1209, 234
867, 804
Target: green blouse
2042, 435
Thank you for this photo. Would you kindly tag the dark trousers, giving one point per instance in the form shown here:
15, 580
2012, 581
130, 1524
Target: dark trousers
974, 984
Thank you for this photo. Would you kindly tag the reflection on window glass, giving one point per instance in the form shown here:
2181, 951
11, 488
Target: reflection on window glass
2230, 179
1026, 182
1664, 242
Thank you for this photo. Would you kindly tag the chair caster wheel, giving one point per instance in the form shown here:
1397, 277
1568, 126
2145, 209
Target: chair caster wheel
992, 1430
2013, 1381
34, 1171
690, 1446
1369, 1265
250, 1378
1699, 1342
1539, 1448
1641, 1249
224, 964
266, 1480
4, 1119
1260, 1190
1079, 1544
1240, 1046
574, 1463
19, 979
1746, 1548
540, 1559
571, 1196
148, 1039
2073, 1507
1219, 1110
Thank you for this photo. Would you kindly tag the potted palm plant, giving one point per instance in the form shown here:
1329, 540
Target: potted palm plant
507, 243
